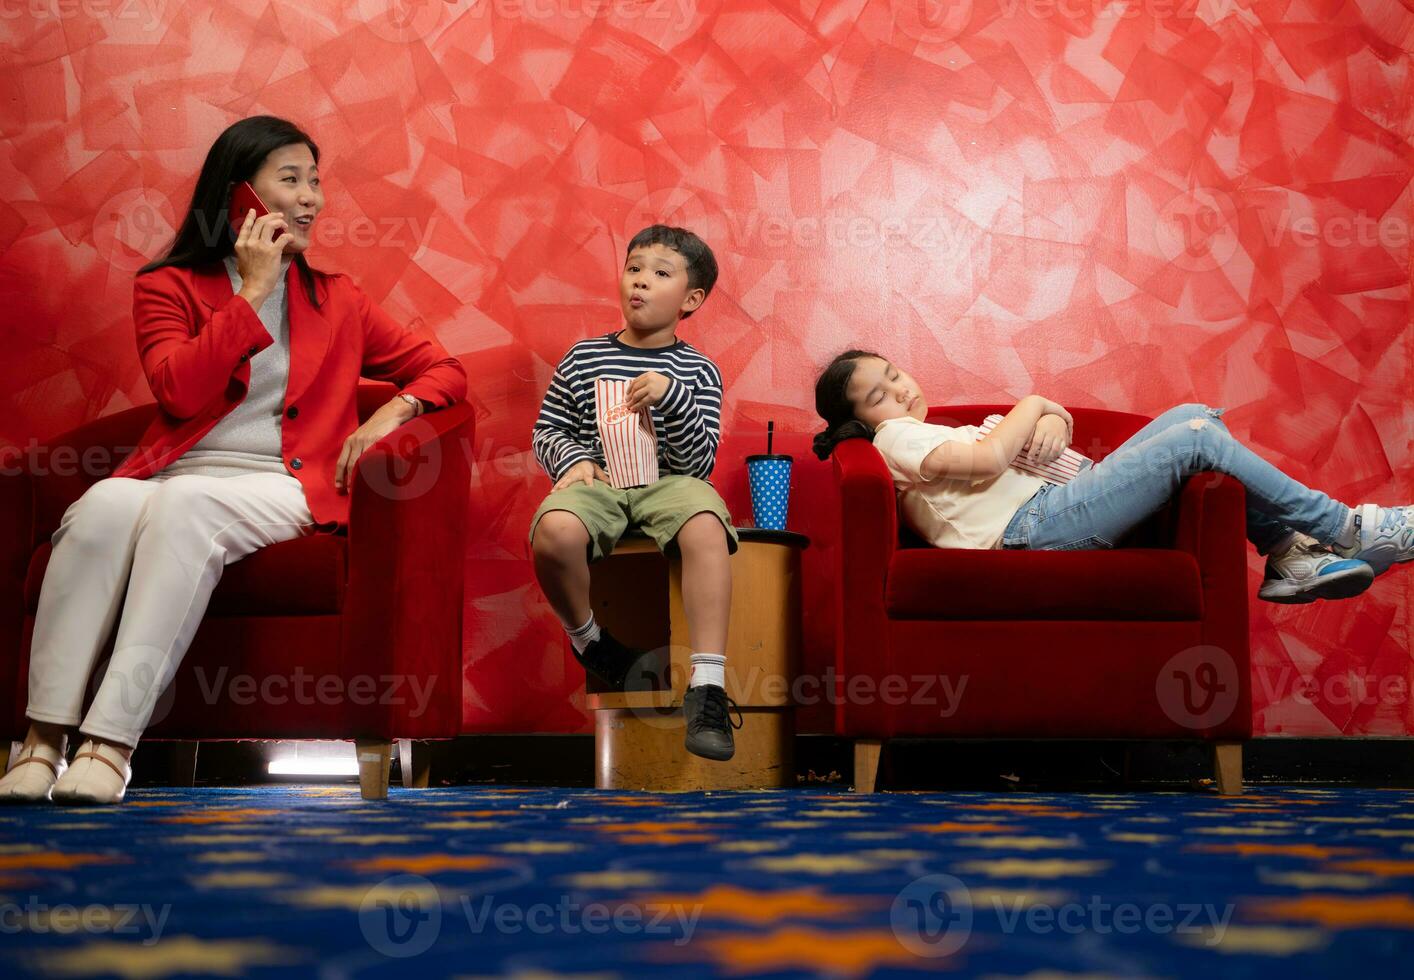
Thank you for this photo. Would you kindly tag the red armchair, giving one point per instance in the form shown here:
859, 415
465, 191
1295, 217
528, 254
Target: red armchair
352, 635
1145, 640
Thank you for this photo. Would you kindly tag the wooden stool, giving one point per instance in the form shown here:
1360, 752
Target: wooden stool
638, 735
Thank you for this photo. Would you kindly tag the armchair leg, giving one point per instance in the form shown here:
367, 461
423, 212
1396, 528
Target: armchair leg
184, 764
375, 758
866, 763
415, 763
1227, 767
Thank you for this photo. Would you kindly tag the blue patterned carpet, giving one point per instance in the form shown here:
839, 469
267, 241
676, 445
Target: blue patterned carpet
312, 881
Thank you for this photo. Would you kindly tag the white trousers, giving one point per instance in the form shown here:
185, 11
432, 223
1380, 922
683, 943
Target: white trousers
156, 548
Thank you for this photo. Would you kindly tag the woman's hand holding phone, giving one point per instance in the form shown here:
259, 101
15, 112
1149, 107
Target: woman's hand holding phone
260, 244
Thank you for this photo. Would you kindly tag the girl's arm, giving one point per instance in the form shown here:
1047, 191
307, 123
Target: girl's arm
1049, 439
990, 457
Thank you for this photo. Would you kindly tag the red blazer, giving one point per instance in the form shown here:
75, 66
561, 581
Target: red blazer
195, 338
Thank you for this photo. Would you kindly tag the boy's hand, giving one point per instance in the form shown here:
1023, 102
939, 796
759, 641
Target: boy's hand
1048, 440
646, 390
586, 471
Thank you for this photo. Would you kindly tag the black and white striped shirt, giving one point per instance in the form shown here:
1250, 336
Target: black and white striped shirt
688, 420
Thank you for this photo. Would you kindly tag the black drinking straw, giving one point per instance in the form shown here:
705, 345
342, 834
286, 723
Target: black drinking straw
770, 434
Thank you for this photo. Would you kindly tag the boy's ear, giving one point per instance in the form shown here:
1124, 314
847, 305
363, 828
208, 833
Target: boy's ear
692, 300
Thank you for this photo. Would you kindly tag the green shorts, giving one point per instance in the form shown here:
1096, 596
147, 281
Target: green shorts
659, 509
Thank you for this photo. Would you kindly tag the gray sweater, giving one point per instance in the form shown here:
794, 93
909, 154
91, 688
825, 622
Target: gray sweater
247, 439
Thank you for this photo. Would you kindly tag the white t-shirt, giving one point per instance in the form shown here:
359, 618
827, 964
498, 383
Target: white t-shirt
949, 513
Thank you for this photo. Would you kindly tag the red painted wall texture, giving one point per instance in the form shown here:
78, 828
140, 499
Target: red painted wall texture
1129, 204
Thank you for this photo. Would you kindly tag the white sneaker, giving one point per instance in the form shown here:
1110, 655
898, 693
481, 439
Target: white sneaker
1307, 572
99, 774
1384, 536
31, 779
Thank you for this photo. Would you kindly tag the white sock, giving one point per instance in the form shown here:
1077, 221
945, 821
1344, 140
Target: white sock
707, 668
584, 635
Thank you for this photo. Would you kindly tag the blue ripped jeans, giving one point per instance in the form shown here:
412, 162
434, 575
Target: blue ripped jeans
1103, 502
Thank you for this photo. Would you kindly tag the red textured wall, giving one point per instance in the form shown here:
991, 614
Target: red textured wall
1127, 205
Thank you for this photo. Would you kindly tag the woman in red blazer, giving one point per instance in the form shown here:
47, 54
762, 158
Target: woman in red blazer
254, 358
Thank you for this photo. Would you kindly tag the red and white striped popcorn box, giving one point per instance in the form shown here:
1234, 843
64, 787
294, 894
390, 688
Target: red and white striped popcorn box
1059, 471
629, 439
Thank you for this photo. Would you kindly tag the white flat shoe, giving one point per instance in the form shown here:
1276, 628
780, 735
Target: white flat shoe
31, 779
98, 776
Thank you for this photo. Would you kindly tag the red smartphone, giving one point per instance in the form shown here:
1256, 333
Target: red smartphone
243, 198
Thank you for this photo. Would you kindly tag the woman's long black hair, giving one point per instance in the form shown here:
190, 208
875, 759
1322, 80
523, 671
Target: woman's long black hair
205, 234
833, 404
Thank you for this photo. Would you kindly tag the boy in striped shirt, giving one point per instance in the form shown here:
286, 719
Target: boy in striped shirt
667, 275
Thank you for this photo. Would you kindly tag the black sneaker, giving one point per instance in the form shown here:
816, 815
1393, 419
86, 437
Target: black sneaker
709, 728
609, 660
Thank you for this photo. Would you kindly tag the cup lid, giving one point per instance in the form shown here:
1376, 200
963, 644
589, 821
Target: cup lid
767, 457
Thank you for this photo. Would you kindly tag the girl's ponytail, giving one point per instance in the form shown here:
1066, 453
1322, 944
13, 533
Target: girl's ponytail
826, 441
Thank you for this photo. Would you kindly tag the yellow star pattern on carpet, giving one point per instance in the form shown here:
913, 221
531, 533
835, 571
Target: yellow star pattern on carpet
173, 955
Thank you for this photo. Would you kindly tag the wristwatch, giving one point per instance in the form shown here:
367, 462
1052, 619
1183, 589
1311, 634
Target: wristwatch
412, 400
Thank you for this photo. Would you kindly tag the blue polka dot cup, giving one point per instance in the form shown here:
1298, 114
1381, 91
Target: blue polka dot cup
770, 489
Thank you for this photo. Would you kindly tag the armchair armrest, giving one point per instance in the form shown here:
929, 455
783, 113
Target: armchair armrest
16, 548
1210, 506
868, 540
73, 461
1212, 527
407, 556
37, 484
16, 523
